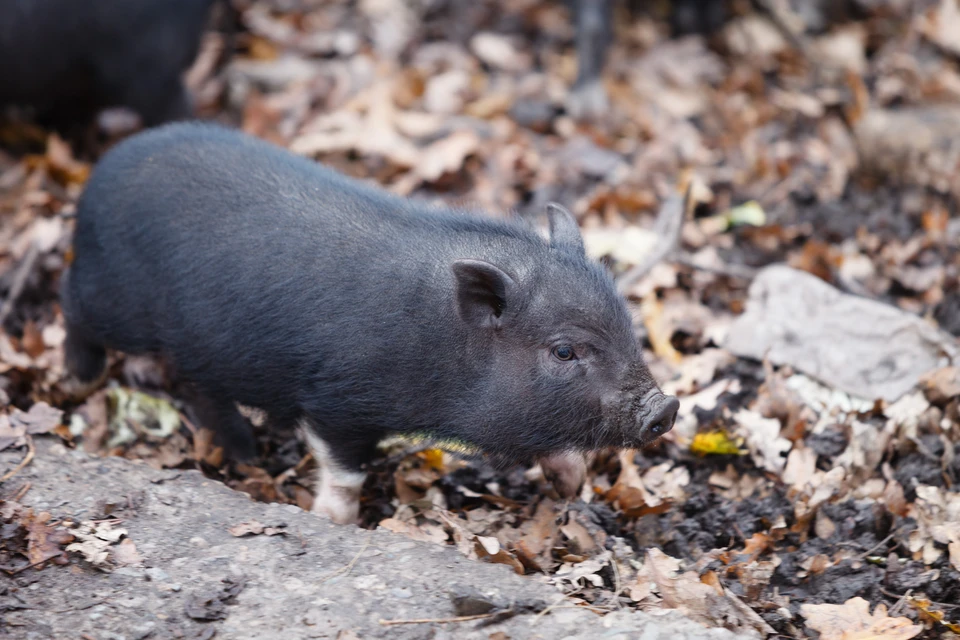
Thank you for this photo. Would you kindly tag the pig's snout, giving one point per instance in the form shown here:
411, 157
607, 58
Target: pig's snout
659, 415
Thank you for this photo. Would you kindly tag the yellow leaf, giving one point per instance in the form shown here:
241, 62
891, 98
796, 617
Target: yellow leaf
923, 605
434, 458
718, 443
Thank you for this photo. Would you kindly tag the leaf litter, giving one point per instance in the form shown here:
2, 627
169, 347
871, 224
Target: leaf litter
811, 482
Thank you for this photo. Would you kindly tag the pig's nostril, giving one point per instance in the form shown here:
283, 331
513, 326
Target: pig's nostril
662, 421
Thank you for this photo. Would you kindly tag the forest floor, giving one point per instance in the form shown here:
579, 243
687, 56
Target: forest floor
806, 315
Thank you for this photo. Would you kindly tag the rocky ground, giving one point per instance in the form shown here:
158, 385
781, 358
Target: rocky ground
172, 554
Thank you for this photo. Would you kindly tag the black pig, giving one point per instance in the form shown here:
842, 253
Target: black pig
68, 59
274, 282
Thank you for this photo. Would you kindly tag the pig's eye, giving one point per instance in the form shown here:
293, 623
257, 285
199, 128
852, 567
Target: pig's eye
564, 352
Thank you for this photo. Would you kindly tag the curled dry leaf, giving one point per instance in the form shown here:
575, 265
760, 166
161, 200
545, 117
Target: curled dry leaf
41, 418
767, 447
44, 541
498, 51
631, 494
488, 548
538, 537
940, 25
575, 576
800, 467
928, 612
942, 385
937, 512
578, 538
697, 371
125, 554
852, 620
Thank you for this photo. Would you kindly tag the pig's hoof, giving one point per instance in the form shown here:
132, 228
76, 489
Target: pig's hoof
337, 509
588, 101
566, 471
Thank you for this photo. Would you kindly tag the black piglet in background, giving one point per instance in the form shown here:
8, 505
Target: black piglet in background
64, 61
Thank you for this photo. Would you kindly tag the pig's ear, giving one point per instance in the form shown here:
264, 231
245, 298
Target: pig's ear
564, 231
483, 292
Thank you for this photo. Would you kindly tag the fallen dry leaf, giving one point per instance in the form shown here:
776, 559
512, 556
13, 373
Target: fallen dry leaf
852, 620
125, 554
929, 613
767, 447
44, 542
630, 494
489, 549
659, 584
576, 576
538, 536
718, 443
97, 543
41, 418
937, 512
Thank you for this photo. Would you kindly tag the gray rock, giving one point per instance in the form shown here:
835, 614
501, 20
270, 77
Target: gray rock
272, 586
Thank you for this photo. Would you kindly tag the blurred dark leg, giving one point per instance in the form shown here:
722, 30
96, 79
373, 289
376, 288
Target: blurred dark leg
594, 29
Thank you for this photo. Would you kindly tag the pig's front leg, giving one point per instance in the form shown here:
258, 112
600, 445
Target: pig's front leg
339, 478
566, 470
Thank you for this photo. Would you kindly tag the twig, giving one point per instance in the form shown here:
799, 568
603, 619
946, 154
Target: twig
909, 595
31, 450
22, 492
28, 566
548, 609
730, 270
349, 565
875, 547
899, 603
668, 226
19, 280
600, 611
479, 616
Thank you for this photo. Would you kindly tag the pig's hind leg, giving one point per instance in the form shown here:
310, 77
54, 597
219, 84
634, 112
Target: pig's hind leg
221, 415
86, 362
339, 476
84, 356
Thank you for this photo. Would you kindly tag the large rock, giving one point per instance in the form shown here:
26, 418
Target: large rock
298, 585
